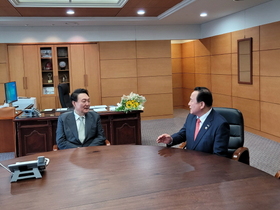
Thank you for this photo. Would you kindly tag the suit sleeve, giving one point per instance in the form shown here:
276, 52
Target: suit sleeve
100, 138
180, 136
221, 140
61, 141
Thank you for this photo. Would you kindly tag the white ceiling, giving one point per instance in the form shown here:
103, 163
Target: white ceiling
188, 14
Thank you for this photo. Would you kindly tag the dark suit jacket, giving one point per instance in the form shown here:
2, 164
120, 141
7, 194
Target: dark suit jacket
67, 132
213, 136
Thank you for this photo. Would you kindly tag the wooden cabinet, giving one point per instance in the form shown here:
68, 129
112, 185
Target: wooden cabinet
121, 128
36, 135
38, 69
54, 69
7, 127
23, 67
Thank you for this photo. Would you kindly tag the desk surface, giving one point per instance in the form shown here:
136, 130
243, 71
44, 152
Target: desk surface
54, 115
140, 177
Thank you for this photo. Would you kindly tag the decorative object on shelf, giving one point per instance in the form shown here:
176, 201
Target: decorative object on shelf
131, 102
62, 52
46, 53
50, 78
48, 90
62, 64
48, 66
64, 78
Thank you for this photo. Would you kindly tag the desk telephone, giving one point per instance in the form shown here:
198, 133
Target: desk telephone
27, 169
30, 111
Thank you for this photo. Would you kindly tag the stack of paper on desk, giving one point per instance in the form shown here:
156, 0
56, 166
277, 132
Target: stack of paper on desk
99, 108
112, 108
61, 109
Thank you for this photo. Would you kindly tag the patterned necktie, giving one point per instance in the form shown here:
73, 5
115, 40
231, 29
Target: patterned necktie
81, 129
196, 127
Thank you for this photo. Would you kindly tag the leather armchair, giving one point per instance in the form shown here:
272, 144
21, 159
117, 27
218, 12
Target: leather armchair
64, 98
236, 151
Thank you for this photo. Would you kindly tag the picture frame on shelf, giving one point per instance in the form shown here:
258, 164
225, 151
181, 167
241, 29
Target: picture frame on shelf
48, 90
46, 53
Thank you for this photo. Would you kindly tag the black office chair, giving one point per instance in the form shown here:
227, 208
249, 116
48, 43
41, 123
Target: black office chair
64, 98
236, 150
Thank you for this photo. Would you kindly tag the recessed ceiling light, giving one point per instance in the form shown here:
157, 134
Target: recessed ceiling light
203, 14
141, 12
70, 12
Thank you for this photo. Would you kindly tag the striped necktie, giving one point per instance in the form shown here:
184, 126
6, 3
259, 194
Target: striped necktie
197, 124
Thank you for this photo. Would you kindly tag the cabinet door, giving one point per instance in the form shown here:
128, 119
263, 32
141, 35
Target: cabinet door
31, 64
48, 102
93, 73
47, 69
4, 73
125, 131
16, 67
34, 137
77, 61
85, 70
23, 67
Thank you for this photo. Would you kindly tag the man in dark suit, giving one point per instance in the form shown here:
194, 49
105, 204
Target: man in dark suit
81, 127
213, 130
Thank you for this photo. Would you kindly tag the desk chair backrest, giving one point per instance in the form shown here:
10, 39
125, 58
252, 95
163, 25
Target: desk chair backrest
64, 98
236, 123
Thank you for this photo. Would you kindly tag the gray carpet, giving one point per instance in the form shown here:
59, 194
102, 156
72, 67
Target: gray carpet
264, 153
7, 156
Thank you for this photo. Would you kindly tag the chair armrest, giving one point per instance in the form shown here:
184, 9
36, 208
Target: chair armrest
242, 155
277, 175
55, 147
107, 142
182, 145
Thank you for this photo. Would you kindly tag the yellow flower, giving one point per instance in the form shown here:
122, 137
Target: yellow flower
136, 104
129, 104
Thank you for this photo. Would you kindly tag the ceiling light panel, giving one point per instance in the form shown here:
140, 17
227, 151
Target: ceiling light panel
69, 3
203, 14
141, 12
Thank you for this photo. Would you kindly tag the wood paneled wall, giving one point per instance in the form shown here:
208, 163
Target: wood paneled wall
142, 67
4, 73
177, 75
212, 62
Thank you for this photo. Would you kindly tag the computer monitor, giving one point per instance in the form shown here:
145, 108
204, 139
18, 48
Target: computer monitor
10, 92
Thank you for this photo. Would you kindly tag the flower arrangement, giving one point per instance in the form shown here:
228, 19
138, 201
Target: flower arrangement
131, 102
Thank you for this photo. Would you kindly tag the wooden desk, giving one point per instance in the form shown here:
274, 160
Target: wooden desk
7, 128
140, 177
38, 134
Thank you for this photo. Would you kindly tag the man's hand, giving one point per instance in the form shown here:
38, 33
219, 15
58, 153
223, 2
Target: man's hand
164, 138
